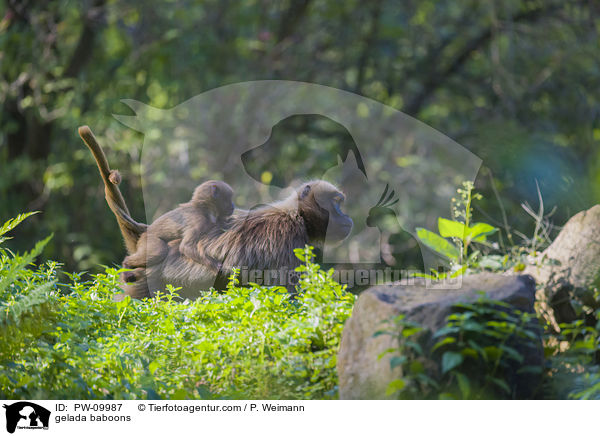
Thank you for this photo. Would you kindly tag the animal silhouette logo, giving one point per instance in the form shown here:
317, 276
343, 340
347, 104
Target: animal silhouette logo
234, 133
399, 244
26, 415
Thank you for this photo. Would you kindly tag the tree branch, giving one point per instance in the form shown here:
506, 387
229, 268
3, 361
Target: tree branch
291, 18
437, 77
93, 19
370, 40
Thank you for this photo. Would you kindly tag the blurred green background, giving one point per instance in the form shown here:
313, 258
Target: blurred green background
515, 82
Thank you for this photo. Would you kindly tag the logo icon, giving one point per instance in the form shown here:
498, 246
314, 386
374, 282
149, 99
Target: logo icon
264, 137
26, 415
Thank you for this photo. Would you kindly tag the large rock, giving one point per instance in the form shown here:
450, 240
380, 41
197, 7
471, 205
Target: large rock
363, 375
568, 271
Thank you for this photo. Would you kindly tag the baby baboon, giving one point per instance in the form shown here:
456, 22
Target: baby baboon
193, 223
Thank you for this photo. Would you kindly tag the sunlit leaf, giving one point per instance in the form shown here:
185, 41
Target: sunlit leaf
451, 229
438, 244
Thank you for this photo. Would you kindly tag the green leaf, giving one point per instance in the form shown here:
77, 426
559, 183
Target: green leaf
416, 367
438, 244
395, 386
388, 351
463, 384
22, 263
151, 394
27, 303
460, 271
14, 222
447, 340
450, 360
414, 346
153, 367
409, 331
500, 383
473, 326
380, 332
180, 394
492, 353
469, 352
451, 229
513, 353
446, 330
397, 361
480, 231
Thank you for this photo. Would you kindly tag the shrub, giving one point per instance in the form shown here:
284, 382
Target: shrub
477, 354
574, 360
70, 340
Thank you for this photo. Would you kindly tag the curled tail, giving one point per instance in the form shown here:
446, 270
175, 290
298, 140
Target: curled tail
130, 229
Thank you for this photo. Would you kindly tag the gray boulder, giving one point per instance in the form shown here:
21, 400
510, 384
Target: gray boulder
568, 271
362, 375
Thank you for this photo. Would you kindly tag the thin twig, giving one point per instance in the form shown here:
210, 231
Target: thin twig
502, 209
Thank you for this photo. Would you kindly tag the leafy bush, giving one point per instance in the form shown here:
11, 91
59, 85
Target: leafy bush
477, 354
462, 233
465, 246
242, 343
574, 360
70, 340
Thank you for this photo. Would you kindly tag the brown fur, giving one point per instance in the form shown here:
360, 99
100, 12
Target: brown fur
193, 223
114, 177
264, 239
130, 229
260, 239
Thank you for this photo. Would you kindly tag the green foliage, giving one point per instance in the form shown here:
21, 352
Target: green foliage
477, 354
242, 343
572, 350
461, 232
22, 293
410, 356
12, 223
521, 96
481, 347
574, 360
456, 239
439, 244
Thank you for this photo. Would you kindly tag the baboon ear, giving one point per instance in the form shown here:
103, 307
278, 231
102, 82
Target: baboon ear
305, 192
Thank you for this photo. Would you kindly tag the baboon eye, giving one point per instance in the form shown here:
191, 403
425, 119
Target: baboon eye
305, 192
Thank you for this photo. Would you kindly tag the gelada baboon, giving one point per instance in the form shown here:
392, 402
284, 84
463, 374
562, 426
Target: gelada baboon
193, 223
262, 239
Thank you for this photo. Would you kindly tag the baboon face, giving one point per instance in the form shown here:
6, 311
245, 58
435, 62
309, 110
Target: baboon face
320, 203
